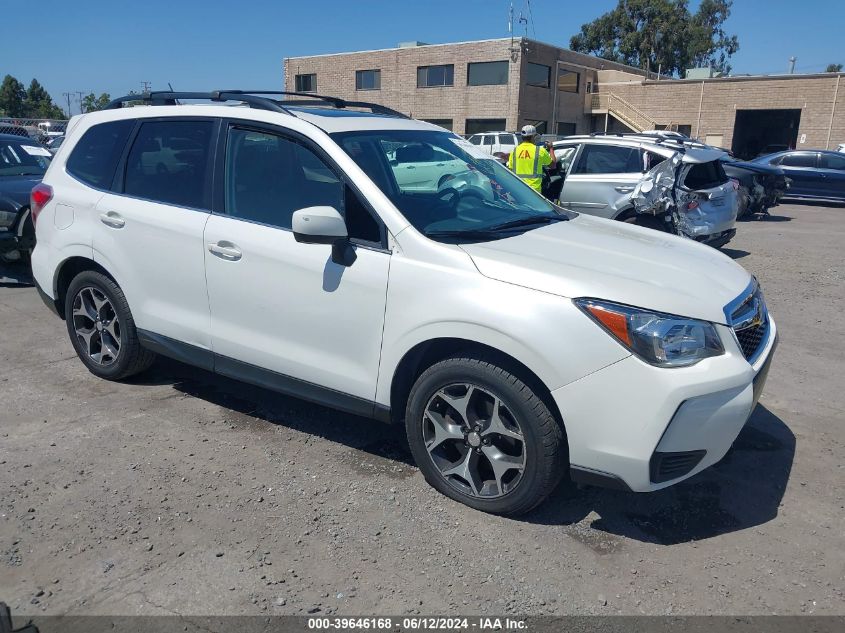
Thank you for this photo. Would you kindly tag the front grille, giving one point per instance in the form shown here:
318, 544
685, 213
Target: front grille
750, 338
750, 322
666, 466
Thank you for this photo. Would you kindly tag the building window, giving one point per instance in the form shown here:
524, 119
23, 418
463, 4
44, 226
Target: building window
540, 126
476, 126
306, 83
487, 73
565, 129
367, 80
444, 123
538, 75
568, 81
432, 76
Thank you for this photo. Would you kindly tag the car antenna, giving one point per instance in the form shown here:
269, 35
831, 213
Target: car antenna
172, 90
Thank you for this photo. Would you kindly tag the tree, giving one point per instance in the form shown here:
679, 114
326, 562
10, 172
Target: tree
90, 103
833, 68
39, 105
710, 45
12, 97
661, 33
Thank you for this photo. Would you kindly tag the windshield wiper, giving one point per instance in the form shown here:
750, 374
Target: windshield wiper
497, 229
534, 219
470, 233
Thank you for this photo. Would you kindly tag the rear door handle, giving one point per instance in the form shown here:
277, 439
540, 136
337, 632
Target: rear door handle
225, 250
113, 220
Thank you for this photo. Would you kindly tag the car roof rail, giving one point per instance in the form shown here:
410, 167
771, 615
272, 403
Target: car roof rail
258, 99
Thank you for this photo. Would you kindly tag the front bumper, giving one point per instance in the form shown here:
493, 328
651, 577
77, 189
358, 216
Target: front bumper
622, 421
717, 240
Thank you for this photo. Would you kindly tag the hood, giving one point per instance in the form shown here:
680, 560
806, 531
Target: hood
615, 261
18, 188
757, 168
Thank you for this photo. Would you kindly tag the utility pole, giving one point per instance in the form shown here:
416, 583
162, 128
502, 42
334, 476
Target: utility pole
80, 95
145, 87
67, 95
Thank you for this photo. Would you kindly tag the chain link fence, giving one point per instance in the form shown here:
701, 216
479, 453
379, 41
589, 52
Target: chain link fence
39, 130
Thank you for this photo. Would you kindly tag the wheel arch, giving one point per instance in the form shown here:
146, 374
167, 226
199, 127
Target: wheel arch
626, 213
426, 353
65, 273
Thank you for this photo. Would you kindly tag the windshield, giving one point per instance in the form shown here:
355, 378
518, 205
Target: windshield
445, 186
22, 159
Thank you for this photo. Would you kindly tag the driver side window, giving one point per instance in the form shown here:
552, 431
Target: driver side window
268, 177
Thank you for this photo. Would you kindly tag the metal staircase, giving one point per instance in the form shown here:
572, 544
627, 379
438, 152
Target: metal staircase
618, 108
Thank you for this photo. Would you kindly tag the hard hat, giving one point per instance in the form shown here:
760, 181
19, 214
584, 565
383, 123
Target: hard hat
528, 130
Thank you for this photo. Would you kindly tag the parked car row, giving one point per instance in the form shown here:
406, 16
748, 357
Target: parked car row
23, 163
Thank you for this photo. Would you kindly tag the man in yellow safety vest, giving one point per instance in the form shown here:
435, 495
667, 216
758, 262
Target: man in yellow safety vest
528, 159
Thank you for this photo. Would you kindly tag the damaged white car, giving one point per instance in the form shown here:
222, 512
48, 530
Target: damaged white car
645, 181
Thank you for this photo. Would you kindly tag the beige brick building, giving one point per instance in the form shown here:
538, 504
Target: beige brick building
488, 85
505, 83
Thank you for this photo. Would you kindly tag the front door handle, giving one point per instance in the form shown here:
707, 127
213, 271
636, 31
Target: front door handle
113, 220
624, 189
225, 250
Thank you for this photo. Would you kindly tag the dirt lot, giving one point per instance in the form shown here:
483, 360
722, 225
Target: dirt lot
181, 492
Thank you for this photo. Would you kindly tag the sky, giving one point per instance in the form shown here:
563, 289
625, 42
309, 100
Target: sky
114, 45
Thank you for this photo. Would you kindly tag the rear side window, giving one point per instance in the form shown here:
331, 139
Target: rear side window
799, 160
831, 161
609, 159
706, 176
169, 163
94, 158
489, 139
507, 139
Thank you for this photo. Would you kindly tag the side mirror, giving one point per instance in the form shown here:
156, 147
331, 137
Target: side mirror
318, 225
324, 225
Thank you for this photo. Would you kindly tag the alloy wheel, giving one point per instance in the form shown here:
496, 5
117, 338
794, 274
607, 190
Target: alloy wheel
96, 325
474, 440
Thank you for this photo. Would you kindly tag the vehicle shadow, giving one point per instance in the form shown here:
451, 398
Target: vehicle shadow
734, 253
251, 405
814, 203
765, 218
15, 275
741, 491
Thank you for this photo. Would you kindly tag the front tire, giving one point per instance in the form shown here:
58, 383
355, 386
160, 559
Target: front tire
482, 436
101, 328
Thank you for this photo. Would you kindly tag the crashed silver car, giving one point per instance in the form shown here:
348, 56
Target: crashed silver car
643, 180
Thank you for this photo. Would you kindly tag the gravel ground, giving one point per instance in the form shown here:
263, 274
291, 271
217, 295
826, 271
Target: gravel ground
184, 493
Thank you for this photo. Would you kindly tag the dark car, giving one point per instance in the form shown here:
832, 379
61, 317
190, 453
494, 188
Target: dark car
761, 186
22, 165
13, 129
813, 174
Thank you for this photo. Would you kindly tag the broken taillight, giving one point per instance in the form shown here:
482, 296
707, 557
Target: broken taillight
41, 194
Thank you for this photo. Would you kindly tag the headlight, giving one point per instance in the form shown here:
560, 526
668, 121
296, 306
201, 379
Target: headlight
660, 339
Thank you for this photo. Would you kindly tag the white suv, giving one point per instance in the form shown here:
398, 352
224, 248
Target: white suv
518, 342
499, 144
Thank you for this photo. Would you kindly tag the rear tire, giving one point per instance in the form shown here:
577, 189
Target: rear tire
482, 436
101, 328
